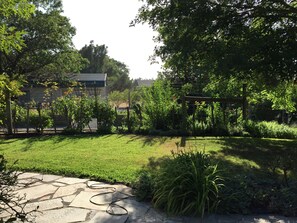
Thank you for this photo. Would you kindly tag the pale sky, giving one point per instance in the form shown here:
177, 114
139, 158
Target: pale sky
107, 22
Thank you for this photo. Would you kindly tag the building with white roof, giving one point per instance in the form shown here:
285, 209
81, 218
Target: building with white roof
91, 84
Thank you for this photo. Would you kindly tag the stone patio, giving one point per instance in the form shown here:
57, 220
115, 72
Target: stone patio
63, 200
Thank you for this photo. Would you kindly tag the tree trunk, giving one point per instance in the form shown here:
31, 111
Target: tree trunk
8, 111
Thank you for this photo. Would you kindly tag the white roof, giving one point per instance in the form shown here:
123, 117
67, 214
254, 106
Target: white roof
90, 77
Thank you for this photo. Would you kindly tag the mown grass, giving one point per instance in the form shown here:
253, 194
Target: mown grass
117, 158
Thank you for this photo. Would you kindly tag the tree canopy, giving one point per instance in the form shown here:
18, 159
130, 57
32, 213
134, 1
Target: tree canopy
249, 39
96, 55
47, 42
10, 36
99, 62
38, 47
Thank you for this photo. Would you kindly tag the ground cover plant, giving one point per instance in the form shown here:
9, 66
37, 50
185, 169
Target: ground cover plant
259, 174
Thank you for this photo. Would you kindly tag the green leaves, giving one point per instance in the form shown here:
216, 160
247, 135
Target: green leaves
10, 36
78, 111
160, 108
99, 62
247, 39
46, 42
283, 96
105, 116
187, 184
95, 54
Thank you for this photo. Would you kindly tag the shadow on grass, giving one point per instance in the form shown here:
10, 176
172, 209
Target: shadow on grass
263, 152
5, 142
148, 140
246, 165
248, 155
57, 141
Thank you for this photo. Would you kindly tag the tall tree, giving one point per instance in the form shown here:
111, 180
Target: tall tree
118, 75
249, 39
96, 55
10, 36
47, 44
100, 62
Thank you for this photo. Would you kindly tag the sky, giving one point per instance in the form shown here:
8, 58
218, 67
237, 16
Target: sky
107, 22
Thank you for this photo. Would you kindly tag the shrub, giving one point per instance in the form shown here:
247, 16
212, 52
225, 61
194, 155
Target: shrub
105, 117
187, 184
39, 122
78, 111
18, 113
160, 111
270, 130
144, 185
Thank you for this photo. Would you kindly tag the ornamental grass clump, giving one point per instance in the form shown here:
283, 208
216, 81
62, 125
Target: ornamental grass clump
187, 184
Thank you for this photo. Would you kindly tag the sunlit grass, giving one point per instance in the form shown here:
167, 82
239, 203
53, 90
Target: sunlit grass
117, 158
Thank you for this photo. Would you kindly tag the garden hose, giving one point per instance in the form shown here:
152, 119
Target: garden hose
111, 205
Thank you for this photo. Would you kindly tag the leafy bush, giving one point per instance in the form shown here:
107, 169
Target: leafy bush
235, 129
77, 110
40, 122
18, 113
187, 184
160, 109
201, 128
215, 119
270, 130
144, 185
105, 116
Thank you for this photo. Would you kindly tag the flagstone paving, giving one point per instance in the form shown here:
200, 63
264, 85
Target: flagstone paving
65, 200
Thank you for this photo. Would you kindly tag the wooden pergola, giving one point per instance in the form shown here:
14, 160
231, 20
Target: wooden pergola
239, 100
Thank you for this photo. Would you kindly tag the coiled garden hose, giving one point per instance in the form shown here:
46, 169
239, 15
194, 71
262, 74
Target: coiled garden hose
111, 205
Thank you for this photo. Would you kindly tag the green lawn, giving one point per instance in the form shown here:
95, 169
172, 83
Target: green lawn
117, 158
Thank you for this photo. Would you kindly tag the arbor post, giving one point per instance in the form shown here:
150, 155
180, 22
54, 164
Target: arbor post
244, 102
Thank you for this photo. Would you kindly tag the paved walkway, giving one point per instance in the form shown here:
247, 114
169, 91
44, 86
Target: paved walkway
64, 200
